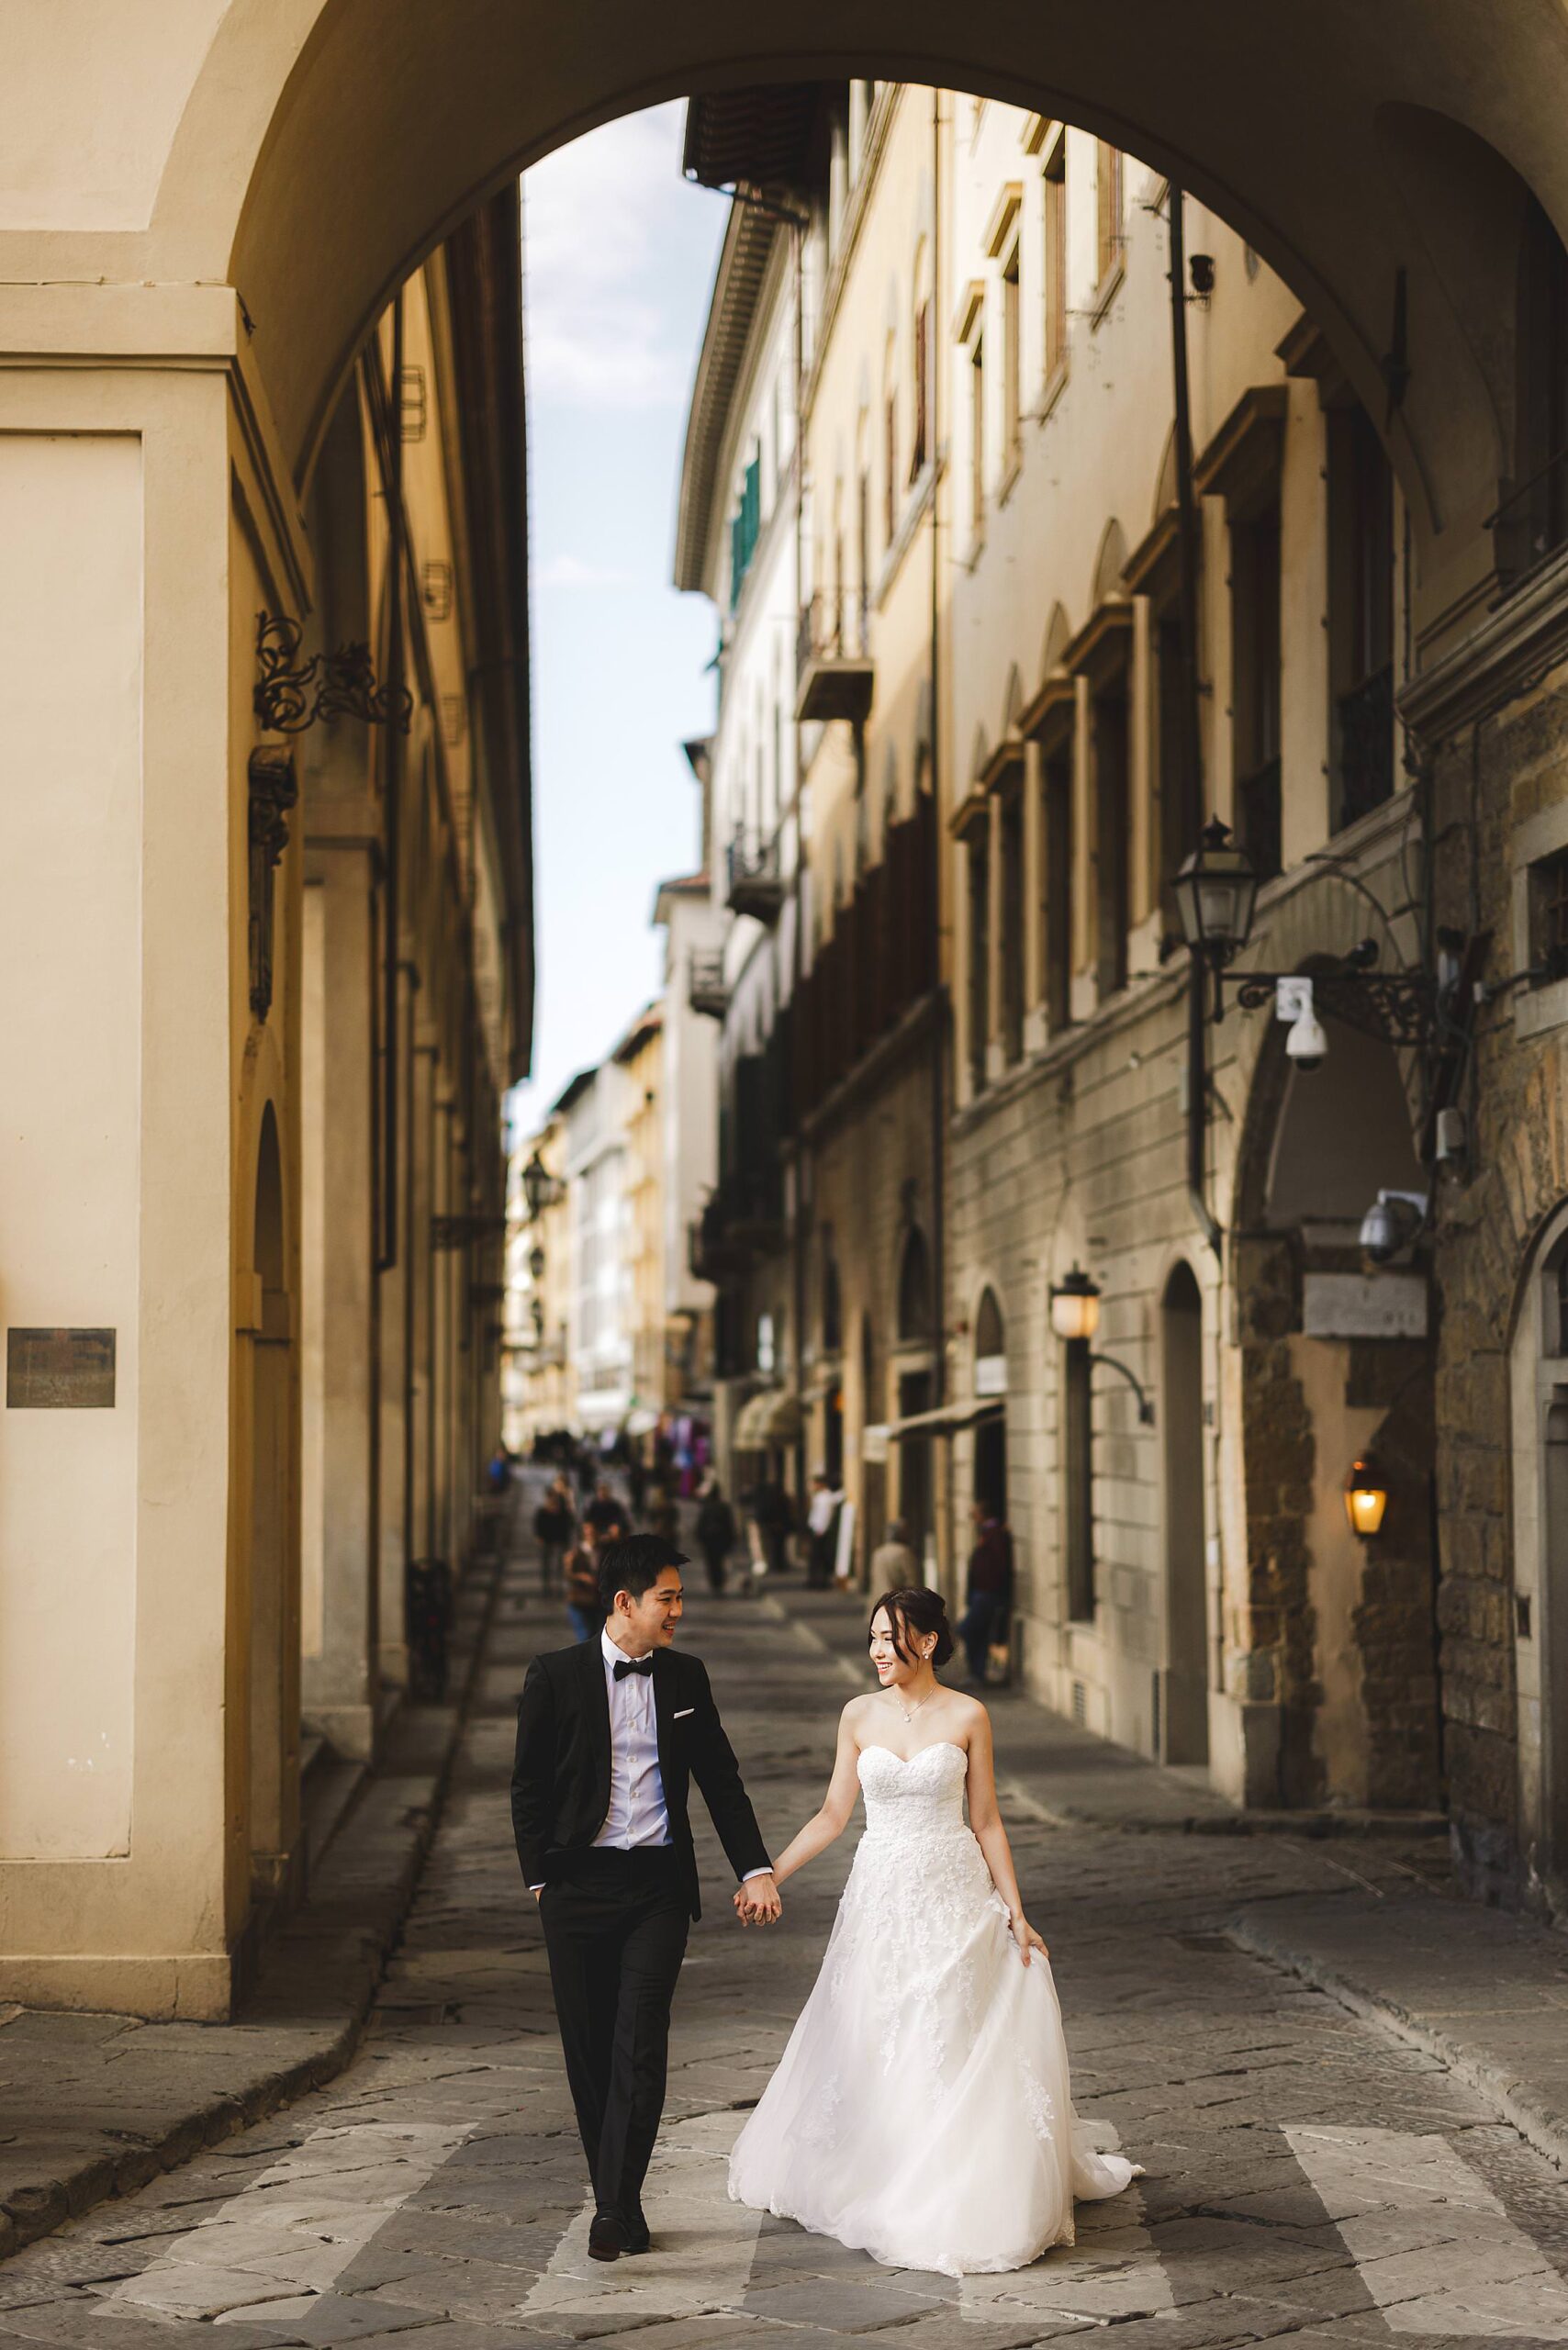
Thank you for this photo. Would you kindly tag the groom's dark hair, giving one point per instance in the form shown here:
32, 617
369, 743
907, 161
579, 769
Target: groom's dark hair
634, 1565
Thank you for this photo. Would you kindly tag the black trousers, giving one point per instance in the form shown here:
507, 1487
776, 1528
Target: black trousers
615, 1931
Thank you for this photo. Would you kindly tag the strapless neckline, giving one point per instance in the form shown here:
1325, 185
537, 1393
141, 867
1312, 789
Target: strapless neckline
936, 1746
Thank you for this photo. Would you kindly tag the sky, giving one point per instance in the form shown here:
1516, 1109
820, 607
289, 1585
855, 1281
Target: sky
619, 254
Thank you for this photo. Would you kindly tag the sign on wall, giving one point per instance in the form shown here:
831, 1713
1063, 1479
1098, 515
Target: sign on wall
1365, 1305
59, 1371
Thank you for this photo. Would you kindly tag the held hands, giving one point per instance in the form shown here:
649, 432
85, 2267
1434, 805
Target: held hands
758, 1902
1027, 1940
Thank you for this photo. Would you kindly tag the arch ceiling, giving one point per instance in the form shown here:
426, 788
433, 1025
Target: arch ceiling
312, 151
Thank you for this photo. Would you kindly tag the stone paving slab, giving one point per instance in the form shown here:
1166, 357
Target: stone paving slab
1486, 1994
1308, 2179
95, 2106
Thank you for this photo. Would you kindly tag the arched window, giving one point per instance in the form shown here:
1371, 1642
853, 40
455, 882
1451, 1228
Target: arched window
991, 1347
914, 1317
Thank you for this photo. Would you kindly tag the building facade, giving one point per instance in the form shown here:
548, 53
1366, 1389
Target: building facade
316, 1332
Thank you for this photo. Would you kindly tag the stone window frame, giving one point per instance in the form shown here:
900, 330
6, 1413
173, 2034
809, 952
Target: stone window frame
1536, 1010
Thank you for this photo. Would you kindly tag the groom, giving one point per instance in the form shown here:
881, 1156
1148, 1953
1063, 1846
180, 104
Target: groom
608, 1734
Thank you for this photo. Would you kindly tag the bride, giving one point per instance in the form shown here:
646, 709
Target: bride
921, 2111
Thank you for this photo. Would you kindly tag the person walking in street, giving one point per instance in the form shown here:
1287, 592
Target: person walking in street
988, 1593
554, 1522
821, 1527
768, 1506
582, 1585
608, 1735
923, 2109
716, 1533
893, 1564
606, 1511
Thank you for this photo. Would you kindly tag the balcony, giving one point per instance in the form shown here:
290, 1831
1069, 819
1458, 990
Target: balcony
755, 881
707, 990
743, 1220
833, 671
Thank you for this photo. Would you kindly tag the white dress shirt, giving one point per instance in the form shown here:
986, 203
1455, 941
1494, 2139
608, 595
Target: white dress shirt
637, 1813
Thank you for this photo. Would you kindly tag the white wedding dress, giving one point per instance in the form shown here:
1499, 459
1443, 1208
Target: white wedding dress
921, 2111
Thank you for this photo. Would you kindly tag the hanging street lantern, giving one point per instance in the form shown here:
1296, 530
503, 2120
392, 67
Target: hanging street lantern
1366, 1496
1215, 890
541, 1189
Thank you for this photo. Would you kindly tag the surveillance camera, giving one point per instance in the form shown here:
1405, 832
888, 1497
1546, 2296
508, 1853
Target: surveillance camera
1391, 1225
1306, 1045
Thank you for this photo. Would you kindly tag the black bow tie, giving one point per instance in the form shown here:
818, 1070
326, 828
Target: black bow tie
625, 1664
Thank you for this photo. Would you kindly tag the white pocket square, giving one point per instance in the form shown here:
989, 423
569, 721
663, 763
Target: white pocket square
681, 1712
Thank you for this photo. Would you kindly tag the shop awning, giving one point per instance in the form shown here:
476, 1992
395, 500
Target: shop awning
946, 1419
769, 1420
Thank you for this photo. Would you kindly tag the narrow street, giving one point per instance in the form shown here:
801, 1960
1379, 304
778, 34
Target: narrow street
1306, 2178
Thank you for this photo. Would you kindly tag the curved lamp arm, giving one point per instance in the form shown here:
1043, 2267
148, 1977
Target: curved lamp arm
1145, 1403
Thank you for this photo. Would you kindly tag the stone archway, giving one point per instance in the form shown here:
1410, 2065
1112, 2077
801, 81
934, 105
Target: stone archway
310, 155
1539, 1582
1342, 1705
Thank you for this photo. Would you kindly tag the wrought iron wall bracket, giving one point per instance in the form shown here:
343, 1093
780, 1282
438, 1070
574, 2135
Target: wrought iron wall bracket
1400, 1007
291, 694
1145, 1402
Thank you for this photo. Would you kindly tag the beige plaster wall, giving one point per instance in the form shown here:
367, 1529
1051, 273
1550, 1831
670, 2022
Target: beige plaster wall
71, 691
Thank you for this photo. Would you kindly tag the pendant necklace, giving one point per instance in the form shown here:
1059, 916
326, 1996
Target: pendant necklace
909, 1712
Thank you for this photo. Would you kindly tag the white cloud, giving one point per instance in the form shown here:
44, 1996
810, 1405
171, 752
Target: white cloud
571, 571
603, 218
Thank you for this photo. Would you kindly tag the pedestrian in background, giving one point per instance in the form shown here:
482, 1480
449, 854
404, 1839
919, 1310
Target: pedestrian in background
988, 1597
605, 1511
583, 1611
554, 1522
893, 1564
821, 1527
716, 1532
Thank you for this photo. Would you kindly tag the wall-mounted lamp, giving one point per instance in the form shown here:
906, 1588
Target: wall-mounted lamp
1075, 1316
1366, 1496
541, 1189
1075, 1306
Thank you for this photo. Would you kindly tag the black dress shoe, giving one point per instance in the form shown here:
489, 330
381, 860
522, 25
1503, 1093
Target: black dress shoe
637, 2236
607, 2237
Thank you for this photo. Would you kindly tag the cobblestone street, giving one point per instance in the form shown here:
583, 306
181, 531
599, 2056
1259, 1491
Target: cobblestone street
1308, 2178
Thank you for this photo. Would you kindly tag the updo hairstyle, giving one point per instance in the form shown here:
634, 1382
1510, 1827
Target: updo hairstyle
912, 1608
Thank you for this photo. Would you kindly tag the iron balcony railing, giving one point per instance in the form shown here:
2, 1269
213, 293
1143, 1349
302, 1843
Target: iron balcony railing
833, 657
707, 990
756, 878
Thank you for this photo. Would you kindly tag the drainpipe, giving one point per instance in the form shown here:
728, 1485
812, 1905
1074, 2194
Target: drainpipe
939, 1025
1190, 733
386, 1255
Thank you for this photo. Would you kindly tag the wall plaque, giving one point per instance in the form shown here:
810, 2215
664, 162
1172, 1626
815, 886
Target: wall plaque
1365, 1305
59, 1371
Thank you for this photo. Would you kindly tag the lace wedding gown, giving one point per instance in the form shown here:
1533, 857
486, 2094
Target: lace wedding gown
921, 2112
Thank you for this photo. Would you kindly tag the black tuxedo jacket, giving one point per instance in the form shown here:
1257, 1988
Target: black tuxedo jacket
560, 1783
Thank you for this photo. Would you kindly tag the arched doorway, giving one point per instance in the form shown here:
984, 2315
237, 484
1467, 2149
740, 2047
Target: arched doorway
1183, 1734
990, 1484
273, 1636
1337, 1361
1539, 1599
912, 1357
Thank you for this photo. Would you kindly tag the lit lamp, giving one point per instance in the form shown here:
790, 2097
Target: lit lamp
1215, 890
1075, 1306
1366, 1496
